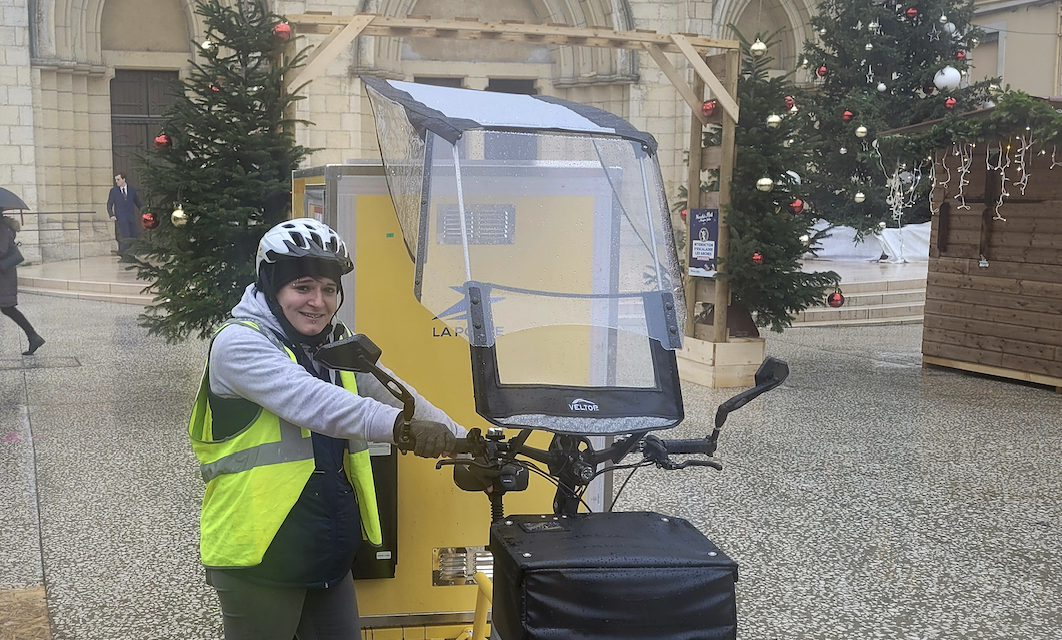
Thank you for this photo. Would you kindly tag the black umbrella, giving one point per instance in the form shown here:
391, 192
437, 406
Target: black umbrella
9, 200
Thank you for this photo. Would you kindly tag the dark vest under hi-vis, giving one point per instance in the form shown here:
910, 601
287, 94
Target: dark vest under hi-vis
254, 477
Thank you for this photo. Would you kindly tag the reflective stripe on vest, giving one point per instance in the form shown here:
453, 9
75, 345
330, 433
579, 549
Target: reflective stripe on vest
256, 476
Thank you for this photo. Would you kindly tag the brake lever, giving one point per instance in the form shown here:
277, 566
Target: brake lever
718, 466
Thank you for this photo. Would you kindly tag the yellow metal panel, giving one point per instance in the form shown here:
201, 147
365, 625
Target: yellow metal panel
432, 511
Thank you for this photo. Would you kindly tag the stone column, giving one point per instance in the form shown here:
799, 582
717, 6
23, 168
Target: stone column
18, 160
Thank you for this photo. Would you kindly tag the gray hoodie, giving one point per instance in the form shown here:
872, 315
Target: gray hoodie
245, 364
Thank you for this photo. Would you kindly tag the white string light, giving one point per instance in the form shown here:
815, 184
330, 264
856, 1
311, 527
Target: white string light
1019, 158
965, 154
1053, 163
1002, 164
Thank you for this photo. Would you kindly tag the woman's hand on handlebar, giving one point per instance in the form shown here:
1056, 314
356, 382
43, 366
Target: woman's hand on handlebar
431, 439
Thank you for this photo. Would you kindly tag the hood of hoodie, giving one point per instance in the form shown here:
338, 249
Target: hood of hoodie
15, 225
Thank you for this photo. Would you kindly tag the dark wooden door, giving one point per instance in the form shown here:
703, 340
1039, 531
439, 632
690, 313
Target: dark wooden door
139, 100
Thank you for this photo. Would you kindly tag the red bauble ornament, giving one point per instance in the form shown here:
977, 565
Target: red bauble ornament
835, 299
757, 258
215, 87
708, 108
162, 140
847, 115
149, 220
961, 55
950, 103
912, 13
282, 31
796, 206
822, 71
790, 102
682, 214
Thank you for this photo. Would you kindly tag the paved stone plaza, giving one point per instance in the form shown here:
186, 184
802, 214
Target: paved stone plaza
866, 498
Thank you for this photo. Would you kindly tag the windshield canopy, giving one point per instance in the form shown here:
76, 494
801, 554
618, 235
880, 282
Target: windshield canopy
539, 228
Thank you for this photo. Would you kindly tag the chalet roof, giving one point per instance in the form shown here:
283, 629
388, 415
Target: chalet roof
1054, 101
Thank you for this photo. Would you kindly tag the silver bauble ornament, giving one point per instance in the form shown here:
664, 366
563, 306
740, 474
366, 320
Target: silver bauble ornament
822, 31
943, 19
765, 184
869, 47
860, 196
882, 87
843, 150
774, 121
758, 49
179, 218
950, 28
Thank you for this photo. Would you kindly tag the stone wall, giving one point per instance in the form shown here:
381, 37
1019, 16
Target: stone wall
18, 159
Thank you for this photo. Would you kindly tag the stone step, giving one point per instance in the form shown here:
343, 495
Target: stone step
141, 300
82, 286
863, 322
874, 298
882, 312
883, 285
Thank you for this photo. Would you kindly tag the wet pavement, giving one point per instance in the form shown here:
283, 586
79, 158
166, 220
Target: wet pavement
865, 498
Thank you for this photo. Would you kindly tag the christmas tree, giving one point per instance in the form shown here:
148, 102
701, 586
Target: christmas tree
770, 225
220, 175
877, 67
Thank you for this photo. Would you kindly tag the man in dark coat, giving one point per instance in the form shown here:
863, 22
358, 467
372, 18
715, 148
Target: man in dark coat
120, 203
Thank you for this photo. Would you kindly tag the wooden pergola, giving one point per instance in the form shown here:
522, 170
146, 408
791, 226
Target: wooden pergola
340, 31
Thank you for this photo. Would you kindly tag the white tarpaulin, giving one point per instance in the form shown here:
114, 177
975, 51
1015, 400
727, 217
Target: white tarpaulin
907, 244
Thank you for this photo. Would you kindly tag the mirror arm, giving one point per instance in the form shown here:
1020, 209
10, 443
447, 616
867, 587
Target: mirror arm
403, 438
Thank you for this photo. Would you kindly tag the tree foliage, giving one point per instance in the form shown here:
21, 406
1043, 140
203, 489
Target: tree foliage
880, 62
228, 163
766, 223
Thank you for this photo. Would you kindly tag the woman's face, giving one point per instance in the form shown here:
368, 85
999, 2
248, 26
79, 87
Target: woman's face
309, 303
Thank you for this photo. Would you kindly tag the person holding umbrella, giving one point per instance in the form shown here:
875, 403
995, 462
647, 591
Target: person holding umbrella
9, 227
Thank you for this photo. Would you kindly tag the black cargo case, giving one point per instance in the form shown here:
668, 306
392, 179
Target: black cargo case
610, 576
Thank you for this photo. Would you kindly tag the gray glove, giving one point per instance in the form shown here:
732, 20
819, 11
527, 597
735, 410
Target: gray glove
431, 439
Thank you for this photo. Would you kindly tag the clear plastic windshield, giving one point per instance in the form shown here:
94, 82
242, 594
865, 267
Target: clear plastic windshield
562, 229
551, 253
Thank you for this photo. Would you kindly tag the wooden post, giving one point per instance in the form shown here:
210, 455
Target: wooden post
726, 173
693, 200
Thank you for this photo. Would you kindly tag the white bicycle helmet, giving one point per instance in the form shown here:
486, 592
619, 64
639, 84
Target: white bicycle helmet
302, 238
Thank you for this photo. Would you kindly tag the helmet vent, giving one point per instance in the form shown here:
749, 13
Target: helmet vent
298, 239
316, 240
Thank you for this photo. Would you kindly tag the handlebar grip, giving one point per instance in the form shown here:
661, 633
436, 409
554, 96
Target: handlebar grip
465, 445
689, 447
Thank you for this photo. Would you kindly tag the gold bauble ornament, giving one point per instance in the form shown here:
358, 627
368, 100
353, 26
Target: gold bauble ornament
765, 184
774, 121
179, 218
860, 196
758, 49
861, 132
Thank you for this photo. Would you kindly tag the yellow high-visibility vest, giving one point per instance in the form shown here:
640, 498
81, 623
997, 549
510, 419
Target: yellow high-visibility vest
254, 477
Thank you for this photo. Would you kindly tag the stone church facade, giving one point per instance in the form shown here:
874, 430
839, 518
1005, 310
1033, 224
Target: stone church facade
81, 85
